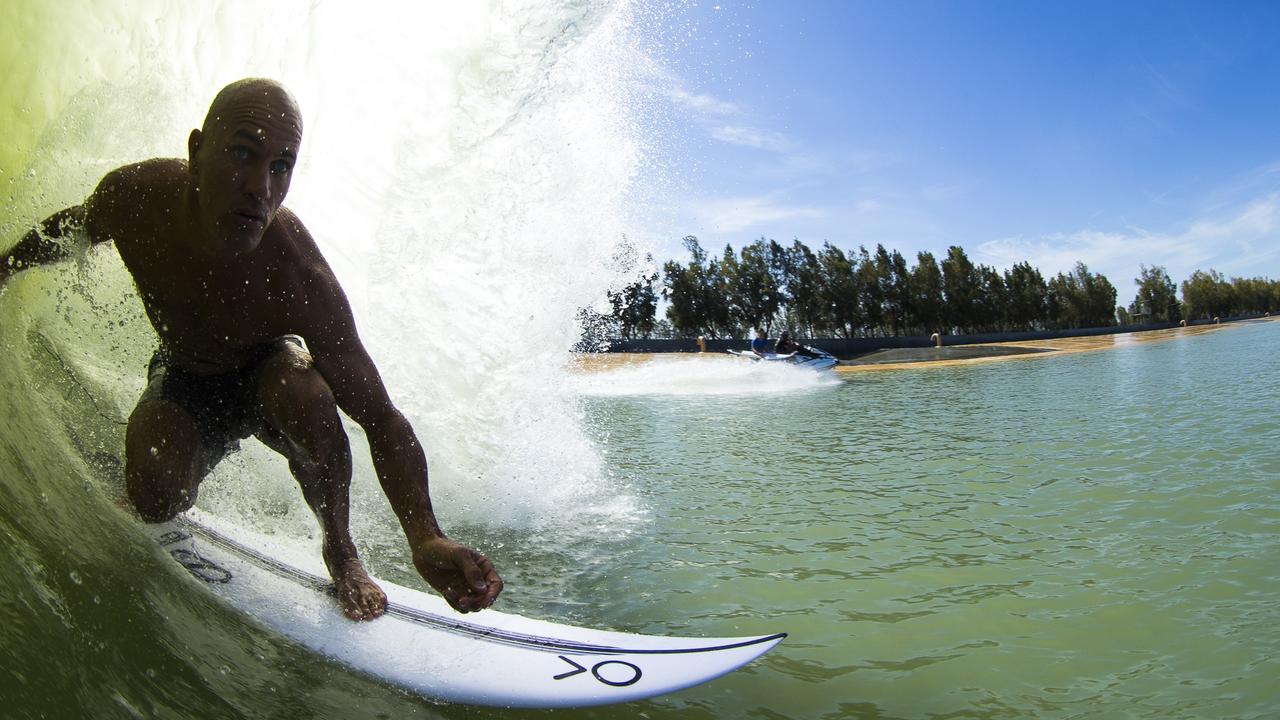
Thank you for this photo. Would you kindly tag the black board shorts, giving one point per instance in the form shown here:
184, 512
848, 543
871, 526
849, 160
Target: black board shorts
224, 407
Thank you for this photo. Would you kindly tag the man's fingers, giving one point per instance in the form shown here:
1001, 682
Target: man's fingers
493, 583
483, 581
465, 578
473, 569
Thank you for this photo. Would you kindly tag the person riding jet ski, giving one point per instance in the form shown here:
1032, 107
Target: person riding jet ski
785, 345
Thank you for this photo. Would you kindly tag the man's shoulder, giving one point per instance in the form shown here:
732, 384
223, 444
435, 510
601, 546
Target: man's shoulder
293, 239
149, 182
148, 174
296, 252
132, 196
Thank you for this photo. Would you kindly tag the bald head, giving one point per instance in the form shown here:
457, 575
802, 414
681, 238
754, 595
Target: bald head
250, 99
241, 161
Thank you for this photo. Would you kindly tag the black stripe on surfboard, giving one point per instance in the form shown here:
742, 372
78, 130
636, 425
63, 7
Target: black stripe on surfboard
439, 622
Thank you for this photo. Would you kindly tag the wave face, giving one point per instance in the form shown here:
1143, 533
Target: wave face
469, 171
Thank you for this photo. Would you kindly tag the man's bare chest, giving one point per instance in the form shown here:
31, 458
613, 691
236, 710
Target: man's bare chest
214, 310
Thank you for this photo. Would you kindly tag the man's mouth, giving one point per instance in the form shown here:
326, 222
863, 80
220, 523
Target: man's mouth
251, 216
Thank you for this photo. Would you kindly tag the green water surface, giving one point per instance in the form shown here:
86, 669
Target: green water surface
1081, 536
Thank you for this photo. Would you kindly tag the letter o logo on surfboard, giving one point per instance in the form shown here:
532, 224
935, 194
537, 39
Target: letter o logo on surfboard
615, 673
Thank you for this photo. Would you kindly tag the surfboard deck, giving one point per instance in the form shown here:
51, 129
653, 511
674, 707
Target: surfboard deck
424, 646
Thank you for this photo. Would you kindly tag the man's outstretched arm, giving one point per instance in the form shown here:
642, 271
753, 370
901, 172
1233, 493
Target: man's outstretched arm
108, 206
43, 244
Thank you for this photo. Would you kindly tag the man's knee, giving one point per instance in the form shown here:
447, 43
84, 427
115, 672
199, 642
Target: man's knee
298, 403
162, 469
159, 504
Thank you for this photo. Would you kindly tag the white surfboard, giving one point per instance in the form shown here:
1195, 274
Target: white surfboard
423, 645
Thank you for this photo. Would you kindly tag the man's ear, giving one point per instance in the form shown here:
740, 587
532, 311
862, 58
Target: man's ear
194, 141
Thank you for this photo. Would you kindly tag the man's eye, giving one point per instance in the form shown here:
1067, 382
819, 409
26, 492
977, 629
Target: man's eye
239, 153
280, 167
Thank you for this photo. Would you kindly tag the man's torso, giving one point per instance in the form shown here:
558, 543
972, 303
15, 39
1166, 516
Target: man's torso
211, 314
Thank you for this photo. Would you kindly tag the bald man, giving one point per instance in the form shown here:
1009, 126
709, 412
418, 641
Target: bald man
256, 337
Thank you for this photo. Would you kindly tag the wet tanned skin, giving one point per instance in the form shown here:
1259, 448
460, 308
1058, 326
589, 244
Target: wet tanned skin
222, 269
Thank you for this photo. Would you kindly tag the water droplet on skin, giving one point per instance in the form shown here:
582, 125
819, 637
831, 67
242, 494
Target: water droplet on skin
75, 577
154, 451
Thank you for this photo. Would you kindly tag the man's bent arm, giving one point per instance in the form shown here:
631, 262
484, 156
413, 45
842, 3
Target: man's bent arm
44, 244
465, 577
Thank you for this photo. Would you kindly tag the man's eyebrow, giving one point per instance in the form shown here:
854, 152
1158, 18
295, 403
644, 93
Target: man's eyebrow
254, 138
260, 140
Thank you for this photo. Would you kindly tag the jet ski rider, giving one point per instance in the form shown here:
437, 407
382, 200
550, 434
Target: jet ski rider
760, 345
788, 346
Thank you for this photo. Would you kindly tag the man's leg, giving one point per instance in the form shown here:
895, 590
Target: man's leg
163, 459
303, 425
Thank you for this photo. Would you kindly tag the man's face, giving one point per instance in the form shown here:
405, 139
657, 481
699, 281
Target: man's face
242, 167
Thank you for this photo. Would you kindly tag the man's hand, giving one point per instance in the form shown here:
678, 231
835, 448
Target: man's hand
464, 577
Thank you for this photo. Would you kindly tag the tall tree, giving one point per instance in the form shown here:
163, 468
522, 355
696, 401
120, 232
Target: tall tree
892, 275
839, 290
1082, 299
802, 276
870, 294
635, 307
1102, 298
1027, 297
754, 296
928, 304
695, 294
901, 292
991, 306
1207, 295
960, 286
1254, 295
1157, 296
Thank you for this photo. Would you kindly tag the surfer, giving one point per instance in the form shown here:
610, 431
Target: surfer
256, 337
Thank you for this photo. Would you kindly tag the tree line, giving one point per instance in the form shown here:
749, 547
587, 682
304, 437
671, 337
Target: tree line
833, 293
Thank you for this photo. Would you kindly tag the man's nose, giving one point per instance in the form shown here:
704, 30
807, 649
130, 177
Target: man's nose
258, 183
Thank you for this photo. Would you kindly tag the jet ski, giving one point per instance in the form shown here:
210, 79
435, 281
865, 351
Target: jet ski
806, 357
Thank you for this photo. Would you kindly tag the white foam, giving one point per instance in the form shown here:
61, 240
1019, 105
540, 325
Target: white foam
703, 375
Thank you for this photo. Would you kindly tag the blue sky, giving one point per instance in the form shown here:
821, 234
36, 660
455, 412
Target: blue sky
1113, 133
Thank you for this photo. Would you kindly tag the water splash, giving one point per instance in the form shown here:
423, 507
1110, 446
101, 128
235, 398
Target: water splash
714, 375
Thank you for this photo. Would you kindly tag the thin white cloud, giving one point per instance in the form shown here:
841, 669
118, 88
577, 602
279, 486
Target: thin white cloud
733, 215
1242, 244
752, 137
701, 103
716, 117
868, 206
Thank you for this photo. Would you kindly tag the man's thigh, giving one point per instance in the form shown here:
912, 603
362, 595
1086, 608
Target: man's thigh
165, 459
294, 400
